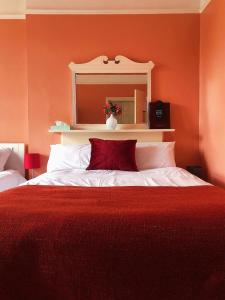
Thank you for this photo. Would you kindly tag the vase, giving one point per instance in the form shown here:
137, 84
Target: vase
111, 122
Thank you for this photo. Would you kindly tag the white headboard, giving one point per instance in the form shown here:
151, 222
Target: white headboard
16, 159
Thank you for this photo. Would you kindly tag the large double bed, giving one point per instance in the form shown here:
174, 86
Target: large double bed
108, 234
169, 176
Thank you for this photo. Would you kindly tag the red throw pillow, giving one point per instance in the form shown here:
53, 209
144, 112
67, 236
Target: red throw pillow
112, 155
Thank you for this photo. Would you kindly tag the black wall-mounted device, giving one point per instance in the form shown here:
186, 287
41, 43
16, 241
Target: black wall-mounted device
159, 115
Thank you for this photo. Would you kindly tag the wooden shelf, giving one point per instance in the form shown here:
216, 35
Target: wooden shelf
82, 135
112, 131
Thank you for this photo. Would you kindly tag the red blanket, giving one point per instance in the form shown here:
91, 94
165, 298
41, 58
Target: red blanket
122, 243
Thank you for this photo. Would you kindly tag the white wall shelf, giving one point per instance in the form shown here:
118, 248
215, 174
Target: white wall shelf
82, 136
112, 131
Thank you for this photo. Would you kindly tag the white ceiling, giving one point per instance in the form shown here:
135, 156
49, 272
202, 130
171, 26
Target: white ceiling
113, 4
16, 7
11, 7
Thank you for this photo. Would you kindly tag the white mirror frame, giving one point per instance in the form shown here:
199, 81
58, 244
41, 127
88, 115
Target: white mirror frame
103, 65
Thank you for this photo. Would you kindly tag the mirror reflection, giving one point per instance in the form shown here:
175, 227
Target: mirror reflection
129, 91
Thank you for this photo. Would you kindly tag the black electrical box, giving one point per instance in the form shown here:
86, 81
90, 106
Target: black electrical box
159, 115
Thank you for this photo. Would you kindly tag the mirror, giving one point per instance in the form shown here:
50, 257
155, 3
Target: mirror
120, 81
128, 91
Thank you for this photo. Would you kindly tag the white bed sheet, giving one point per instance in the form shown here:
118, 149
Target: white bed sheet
171, 176
10, 179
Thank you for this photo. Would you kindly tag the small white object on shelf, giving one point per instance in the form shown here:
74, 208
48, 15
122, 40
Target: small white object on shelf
60, 126
111, 122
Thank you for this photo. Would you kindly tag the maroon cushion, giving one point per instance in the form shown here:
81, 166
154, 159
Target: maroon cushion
112, 155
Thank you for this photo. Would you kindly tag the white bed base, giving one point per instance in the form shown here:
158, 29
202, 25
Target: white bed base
16, 159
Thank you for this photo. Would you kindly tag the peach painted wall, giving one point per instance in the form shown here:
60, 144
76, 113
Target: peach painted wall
170, 41
13, 81
212, 91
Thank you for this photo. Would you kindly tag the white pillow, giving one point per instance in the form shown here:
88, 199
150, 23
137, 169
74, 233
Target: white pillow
155, 155
68, 157
4, 155
148, 156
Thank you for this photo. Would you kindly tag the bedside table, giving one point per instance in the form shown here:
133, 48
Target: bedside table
195, 170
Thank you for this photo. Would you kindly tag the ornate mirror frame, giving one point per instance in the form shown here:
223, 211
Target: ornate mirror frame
103, 65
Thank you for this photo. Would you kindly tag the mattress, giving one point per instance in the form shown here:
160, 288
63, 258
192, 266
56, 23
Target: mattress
10, 179
170, 176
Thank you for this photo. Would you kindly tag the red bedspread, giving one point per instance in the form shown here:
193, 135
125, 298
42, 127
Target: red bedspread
125, 243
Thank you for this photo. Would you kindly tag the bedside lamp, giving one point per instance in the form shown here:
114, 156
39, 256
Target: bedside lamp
31, 162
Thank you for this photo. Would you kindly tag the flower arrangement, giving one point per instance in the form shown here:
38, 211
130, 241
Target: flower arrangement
112, 109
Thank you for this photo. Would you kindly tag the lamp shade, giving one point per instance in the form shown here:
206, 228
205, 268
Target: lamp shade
32, 161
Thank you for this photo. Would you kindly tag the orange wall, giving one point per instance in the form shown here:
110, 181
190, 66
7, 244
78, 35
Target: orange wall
13, 81
212, 91
170, 41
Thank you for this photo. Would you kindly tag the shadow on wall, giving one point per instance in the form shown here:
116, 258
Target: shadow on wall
182, 118
216, 178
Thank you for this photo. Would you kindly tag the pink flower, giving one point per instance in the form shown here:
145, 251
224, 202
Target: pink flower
111, 108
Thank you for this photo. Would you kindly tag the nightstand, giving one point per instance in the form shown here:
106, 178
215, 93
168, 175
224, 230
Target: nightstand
196, 170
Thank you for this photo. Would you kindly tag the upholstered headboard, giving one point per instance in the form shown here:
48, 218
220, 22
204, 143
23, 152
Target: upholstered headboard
16, 159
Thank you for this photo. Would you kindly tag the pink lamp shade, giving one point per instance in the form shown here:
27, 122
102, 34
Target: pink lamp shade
32, 161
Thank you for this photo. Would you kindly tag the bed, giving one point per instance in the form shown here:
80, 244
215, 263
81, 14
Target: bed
169, 176
75, 234
11, 165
